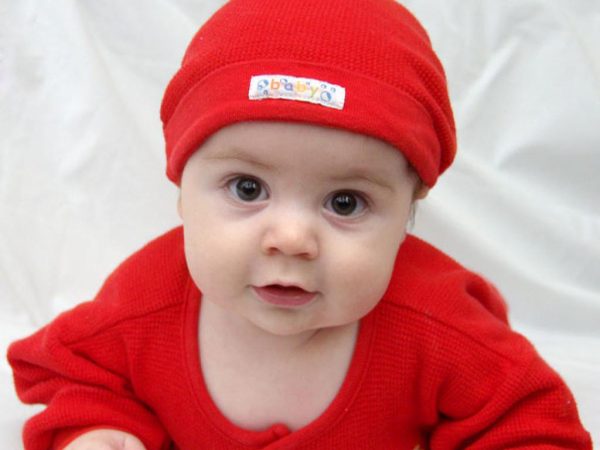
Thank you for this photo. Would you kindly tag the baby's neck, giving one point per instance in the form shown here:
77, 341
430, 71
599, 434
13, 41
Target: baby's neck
237, 334
306, 370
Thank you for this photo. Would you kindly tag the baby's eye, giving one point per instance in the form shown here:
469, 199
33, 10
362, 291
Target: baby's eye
346, 203
247, 189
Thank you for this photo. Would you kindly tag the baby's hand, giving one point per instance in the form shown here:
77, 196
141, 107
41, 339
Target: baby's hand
106, 440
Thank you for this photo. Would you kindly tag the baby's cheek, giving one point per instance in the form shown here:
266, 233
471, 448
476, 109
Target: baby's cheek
198, 254
217, 266
364, 275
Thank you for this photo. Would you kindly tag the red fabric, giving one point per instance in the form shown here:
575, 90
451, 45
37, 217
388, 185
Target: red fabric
395, 85
435, 365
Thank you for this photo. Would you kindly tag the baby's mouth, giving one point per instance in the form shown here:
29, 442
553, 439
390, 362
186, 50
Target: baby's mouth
286, 296
284, 290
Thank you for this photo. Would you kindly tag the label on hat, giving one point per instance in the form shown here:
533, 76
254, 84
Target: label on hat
287, 87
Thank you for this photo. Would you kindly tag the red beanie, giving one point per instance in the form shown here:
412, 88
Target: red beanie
365, 66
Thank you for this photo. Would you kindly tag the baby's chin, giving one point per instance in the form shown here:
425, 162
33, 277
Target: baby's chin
297, 327
284, 328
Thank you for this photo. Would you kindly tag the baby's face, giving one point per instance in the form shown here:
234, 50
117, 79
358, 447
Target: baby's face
294, 227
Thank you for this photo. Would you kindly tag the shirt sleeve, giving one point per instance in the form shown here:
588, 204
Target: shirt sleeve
497, 392
82, 377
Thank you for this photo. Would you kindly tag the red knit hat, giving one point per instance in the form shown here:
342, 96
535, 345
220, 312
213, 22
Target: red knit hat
366, 66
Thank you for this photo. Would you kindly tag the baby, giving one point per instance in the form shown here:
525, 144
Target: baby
292, 310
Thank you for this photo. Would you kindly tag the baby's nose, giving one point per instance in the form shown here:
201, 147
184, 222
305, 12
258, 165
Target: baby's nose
291, 235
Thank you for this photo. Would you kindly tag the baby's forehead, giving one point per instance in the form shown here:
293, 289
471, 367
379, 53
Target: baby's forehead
271, 138
293, 146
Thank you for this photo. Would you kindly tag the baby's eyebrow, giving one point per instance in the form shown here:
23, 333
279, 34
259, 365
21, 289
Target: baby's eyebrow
239, 154
349, 175
363, 175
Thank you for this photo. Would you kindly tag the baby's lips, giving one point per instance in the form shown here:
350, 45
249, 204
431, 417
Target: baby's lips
284, 295
281, 289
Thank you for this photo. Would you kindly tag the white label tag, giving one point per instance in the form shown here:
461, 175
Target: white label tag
288, 87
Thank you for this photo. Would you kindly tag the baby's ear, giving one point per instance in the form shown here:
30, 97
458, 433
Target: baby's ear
421, 191
179, 205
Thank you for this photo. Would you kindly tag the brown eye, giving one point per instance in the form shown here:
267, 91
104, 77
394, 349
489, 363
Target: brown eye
246, 189
345, 204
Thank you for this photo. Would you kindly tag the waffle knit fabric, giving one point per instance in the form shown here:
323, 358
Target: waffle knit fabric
366, 66
435, 367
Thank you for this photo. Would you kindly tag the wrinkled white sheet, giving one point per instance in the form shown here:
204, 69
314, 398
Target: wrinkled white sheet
81, 161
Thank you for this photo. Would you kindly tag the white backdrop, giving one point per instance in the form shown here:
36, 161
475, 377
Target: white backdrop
82, 180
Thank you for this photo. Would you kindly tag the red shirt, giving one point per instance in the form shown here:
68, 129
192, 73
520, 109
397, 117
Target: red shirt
435, 366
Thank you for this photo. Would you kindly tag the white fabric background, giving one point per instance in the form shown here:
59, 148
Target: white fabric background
82, 180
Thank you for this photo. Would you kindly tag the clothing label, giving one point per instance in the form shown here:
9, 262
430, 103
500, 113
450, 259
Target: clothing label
288, 87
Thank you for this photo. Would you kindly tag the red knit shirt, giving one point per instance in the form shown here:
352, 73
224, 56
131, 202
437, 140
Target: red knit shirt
435, 366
